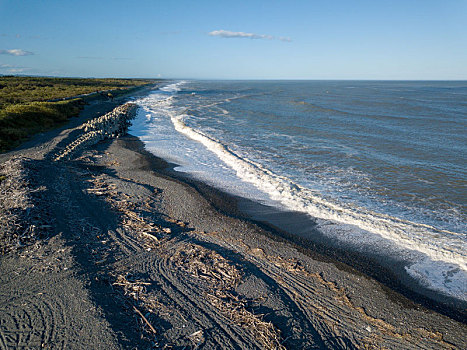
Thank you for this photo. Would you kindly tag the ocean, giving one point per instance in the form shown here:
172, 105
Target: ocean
378, 166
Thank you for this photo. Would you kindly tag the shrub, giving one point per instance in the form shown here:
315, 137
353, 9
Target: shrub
20, 121
27, 104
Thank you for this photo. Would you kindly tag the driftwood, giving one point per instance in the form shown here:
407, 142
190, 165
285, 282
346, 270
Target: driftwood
110, 125
21, 221
144, 319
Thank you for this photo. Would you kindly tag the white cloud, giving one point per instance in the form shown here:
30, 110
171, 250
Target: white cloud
12, 69
228, 34
16, 52
285, 38
17, 70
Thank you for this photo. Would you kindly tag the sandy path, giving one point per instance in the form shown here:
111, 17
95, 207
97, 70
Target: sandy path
136, 259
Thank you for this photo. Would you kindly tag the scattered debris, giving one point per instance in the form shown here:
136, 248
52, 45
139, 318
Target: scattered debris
222, 277
21, 222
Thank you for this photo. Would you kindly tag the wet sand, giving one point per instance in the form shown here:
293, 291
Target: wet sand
124, 254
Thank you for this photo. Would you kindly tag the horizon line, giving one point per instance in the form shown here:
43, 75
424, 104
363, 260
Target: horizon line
221, 79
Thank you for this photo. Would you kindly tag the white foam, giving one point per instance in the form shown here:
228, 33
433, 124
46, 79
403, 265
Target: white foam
442, 277
175, 87
438, 253
154, 127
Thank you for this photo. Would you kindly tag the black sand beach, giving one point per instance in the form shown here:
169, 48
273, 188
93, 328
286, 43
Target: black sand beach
124, 254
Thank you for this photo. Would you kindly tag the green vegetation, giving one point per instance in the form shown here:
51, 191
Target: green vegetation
32, 104
14, 90
19, 121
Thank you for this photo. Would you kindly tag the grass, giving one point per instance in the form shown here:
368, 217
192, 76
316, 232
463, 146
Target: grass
33, 104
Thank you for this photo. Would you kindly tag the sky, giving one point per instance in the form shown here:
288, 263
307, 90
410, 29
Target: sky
178, 39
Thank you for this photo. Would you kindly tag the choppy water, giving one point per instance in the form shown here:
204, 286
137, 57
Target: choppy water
380, 165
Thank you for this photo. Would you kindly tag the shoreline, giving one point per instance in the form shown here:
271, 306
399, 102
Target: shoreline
156, 260
280, 225
395, 227
391, 265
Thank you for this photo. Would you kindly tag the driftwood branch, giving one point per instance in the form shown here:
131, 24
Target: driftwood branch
144, 319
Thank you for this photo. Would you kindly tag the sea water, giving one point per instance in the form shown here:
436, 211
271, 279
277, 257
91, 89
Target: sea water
379, 165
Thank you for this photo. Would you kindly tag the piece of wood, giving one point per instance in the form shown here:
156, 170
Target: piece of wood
144, 319
150, 236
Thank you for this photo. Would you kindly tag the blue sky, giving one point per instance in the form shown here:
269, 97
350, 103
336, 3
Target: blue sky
235, 39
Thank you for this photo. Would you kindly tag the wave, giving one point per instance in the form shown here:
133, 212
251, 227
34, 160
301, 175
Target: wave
174, 87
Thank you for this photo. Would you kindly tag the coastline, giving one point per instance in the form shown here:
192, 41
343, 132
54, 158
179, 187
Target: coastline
288, 226
130, 234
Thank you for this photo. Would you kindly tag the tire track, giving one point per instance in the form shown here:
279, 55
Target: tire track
329, 314
308, 335
188, 297
30, 321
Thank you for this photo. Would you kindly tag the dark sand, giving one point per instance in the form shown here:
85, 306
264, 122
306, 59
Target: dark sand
125, 255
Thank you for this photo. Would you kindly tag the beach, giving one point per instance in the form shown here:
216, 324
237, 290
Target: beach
118, 251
